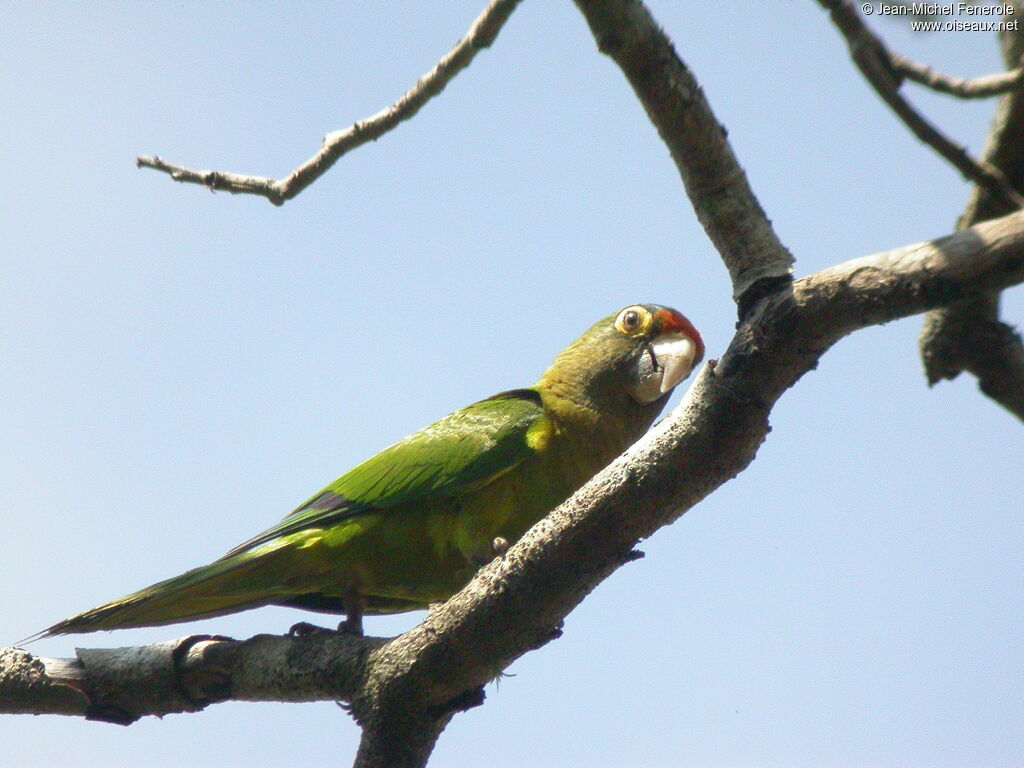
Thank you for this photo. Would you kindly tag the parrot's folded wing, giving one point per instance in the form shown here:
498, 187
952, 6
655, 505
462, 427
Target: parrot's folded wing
461, 452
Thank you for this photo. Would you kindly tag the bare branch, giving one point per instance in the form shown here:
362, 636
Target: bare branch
975, 88
968, 336
875, 62
715, 182
235, 183
27, 688
404, 691
120, 685
481, 35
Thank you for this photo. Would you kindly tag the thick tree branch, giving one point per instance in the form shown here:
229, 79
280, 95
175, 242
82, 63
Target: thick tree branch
975, 88
481, 35
716, 183
404, 691
969, 336
875, 62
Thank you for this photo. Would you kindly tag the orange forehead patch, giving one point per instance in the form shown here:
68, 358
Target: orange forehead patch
673, 321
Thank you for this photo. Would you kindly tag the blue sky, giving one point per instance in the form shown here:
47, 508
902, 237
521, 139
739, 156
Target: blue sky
181, 368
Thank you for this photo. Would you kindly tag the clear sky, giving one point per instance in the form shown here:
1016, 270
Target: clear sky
178, 369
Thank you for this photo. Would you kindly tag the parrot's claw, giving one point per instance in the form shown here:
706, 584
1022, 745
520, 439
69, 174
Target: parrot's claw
305, 629
500, 545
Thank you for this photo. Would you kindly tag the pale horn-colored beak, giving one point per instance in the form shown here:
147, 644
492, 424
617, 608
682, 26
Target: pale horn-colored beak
674, 353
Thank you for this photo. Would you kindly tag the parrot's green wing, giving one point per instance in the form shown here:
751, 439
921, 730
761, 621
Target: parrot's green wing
461, 452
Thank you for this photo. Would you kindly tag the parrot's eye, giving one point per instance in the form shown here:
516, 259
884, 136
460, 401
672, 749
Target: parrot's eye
633, 321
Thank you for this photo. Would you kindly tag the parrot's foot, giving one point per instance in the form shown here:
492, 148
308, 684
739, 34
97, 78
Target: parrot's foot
480, 558
305, 629
352, 625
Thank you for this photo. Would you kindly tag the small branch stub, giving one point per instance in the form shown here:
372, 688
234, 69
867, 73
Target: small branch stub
969, 336
975, 88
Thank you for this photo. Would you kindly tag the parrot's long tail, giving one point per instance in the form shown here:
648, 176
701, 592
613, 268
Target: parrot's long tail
246, 580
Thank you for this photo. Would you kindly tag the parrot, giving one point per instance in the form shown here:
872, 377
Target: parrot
410, 527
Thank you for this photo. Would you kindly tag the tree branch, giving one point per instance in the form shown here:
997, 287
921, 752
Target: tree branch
875, 62
120, 685
481, 35
404, 691
975, 88
715, 182
969, 336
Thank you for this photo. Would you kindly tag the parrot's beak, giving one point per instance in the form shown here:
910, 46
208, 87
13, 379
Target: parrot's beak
675, 354
666, 359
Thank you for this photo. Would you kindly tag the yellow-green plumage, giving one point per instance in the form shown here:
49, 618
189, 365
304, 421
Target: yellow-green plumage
411, 525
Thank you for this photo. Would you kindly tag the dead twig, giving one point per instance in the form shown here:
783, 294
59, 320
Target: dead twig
481, 35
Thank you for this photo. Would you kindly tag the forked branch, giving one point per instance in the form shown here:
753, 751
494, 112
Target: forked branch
875, 62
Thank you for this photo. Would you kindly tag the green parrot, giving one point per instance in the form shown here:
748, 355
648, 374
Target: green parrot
411, 526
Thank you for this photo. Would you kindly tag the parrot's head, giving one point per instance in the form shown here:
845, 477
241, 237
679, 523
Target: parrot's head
661, 347
635, 356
